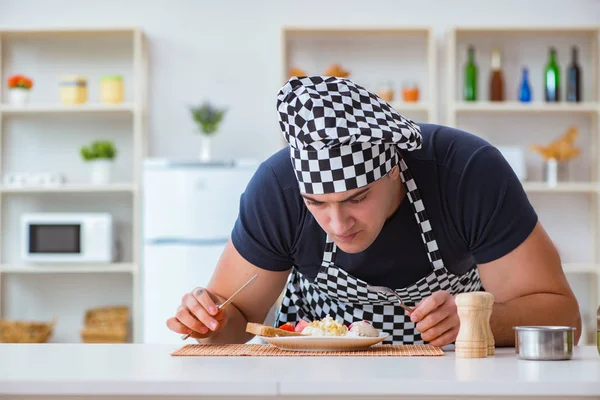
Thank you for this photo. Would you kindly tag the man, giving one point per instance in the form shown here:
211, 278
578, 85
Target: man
373, 198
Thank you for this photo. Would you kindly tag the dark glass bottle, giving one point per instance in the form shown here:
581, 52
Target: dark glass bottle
574, 78
496, 78
552, 78
470, 88
525, 88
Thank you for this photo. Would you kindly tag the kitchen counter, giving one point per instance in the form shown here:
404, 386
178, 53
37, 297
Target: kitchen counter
137, 370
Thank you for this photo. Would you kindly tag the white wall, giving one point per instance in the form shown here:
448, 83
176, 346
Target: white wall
229, 51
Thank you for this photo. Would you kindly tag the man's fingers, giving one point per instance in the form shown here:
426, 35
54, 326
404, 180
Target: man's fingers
428, 305
445, 339
184, 316
177, 327
198, 311
203, 297
439, 328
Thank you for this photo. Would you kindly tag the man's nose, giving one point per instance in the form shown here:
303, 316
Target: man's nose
339, 221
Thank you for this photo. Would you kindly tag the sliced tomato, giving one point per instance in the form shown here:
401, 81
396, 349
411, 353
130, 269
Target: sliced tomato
301, 325
288, 326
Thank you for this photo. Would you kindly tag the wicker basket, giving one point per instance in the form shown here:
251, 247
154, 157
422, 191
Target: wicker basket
106, 325
107, 316
100, 334
26, 331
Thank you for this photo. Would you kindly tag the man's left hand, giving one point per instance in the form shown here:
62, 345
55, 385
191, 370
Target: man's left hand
437, 319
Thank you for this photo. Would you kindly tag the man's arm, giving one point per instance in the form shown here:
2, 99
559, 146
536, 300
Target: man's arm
530, 288
250, 305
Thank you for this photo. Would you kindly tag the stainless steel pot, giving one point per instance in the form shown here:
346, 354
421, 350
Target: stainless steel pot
544, 342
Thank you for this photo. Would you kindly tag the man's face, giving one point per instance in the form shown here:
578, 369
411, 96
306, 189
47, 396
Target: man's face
354, 218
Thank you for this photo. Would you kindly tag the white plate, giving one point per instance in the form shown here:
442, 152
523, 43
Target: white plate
324, 343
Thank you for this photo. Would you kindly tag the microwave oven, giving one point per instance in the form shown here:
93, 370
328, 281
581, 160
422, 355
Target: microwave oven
67, 238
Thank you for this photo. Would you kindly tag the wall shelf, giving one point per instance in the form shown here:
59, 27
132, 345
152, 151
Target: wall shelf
375, 56
53, 144
517, 107
7, 109
565, 187
516, 124
71, 188
67, 268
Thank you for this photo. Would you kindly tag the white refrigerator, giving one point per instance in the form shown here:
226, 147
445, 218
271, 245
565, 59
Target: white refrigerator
189, 210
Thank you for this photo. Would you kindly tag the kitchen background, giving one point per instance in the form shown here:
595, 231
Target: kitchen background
104, 133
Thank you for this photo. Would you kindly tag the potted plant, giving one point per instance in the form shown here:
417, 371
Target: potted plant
99, 155
19, 87
208, 117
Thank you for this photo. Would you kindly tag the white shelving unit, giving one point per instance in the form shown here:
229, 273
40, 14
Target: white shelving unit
374, 56
576, 230
40, 292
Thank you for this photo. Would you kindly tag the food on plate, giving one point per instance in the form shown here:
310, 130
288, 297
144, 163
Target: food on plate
265, 330
301, 325
288, 326
362, 329
324, 327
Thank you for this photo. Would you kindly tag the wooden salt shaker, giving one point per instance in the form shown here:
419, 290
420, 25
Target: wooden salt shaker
491, 343
474, 338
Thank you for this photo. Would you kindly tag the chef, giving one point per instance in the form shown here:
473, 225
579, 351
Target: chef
364, 196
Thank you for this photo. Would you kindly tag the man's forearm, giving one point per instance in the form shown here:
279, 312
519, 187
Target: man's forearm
535, 309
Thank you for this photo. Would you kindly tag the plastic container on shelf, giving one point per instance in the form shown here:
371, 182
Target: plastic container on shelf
111, 89
73, 89
410, 92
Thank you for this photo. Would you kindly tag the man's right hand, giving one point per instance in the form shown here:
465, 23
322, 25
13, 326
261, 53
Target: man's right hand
198, 315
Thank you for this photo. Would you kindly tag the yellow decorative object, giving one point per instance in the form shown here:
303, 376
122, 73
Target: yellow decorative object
111, 89
561, 149
337, 70
73, 90
295, 71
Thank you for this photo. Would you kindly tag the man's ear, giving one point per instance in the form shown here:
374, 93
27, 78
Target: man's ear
394, 173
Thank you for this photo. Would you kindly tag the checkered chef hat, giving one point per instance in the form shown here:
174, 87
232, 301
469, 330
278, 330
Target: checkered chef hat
341, 136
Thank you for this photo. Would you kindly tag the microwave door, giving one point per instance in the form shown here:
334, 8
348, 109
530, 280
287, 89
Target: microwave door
55, 238
48, 241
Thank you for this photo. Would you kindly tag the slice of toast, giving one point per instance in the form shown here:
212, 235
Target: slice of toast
269, 331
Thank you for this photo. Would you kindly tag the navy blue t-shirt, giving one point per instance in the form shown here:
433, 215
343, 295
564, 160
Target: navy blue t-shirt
478, 210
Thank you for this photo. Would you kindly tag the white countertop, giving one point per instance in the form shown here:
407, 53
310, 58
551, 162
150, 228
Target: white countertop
138, 370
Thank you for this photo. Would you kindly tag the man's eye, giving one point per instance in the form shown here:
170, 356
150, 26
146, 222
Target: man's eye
356, 201
313, 203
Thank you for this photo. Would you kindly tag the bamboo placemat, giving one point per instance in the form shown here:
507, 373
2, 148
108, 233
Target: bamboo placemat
262, 350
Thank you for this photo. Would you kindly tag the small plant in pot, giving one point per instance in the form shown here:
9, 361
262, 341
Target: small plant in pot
100, 155
19, 87
208, 117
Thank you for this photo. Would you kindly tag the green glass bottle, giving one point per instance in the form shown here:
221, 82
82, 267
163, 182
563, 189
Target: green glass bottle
470, 88
552, 78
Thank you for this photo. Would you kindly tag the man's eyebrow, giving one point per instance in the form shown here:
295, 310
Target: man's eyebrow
355, 195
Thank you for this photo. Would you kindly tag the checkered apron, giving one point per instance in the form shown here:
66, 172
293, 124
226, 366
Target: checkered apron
345, 298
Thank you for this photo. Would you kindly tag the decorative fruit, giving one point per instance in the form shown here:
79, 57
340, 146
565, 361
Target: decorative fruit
288, 326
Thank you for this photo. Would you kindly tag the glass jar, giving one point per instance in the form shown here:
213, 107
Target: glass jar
73, 89
410, 92
385, 90
111, 89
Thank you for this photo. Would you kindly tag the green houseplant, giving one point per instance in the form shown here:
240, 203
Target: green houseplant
100, 156
208, 118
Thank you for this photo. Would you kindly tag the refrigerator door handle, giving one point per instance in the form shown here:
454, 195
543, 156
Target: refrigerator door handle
187, 242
